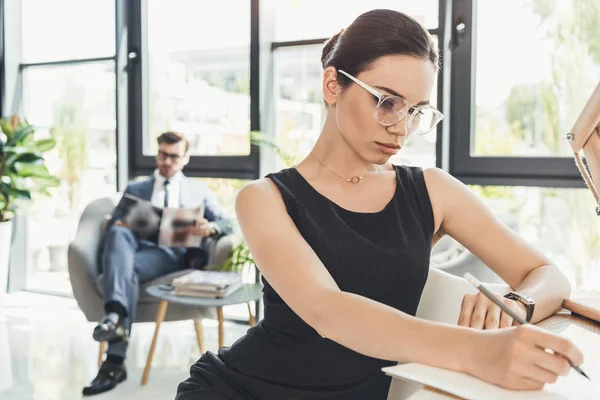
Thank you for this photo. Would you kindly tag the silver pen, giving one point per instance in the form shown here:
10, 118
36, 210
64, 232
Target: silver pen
510, 312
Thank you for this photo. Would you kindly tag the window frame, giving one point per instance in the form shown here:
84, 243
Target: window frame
490, 170
240, 167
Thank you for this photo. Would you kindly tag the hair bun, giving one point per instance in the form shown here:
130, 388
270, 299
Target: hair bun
329, 46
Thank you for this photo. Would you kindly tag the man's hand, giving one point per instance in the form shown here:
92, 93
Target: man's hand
121, 223
202, 228
478, 312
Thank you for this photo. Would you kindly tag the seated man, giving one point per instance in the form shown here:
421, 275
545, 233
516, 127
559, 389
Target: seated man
128, 260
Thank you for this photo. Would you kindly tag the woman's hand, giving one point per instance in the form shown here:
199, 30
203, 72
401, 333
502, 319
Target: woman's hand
478, 312
516, 358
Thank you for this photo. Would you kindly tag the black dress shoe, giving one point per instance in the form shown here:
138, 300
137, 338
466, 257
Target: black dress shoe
109, 376
108, 331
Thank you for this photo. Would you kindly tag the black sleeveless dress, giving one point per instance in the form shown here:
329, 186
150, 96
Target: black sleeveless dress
383, 256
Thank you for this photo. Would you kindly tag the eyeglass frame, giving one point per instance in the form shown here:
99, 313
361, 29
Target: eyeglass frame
163, 155
382, 96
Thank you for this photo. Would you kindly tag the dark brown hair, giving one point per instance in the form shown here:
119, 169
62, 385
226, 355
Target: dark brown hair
172, 138
375, 34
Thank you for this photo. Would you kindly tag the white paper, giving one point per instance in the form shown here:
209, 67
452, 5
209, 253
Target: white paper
571, 387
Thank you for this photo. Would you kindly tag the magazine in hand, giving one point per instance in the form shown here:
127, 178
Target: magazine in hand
165, 226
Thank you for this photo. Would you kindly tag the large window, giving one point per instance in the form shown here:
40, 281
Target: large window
194, 70
532, 80
68, 93
558, 222
526, 86
67, 29
75, 105
198, 75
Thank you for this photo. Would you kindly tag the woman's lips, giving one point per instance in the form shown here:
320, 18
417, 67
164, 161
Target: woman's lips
388, 148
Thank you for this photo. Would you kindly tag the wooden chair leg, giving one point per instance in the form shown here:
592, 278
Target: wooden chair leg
160, 316
221, 333
251, 319
102, 348
200, 336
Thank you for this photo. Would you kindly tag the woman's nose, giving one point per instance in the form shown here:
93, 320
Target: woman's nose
399, 128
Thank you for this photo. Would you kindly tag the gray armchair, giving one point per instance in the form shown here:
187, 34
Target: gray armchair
85, 277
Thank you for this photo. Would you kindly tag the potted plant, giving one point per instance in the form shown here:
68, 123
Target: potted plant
239, 259
22, 172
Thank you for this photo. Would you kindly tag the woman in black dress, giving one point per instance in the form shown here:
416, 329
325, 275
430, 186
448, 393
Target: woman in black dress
343, 242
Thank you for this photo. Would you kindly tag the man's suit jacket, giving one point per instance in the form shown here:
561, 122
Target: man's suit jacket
193, 193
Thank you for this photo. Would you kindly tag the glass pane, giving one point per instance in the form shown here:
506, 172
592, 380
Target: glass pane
314, 19
67, 29
300, 111
75, 105
561, 223
534, 78
198, 75
225, 191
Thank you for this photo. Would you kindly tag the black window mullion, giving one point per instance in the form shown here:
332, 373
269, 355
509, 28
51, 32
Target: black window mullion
66, 62
462, 99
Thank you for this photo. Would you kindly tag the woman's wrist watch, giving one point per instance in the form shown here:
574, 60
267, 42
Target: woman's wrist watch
525, 300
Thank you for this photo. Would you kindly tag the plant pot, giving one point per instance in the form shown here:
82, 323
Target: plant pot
5, 239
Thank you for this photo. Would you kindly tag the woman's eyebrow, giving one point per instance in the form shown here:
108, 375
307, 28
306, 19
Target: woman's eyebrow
391, 91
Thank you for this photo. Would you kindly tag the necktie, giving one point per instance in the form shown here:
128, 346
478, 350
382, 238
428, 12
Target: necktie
167, 193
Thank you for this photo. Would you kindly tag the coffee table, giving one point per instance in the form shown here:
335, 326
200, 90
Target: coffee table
246, 294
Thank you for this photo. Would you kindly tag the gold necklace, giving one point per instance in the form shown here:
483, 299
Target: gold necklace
354, 180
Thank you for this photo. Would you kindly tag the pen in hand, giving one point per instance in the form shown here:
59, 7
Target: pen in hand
492, 297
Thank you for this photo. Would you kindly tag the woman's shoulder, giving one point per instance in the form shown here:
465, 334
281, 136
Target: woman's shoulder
416, 173
268, 195
274, 187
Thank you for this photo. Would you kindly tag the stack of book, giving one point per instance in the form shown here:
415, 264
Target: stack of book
207, 284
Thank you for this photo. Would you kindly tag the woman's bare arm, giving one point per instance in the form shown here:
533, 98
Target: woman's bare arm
461, 214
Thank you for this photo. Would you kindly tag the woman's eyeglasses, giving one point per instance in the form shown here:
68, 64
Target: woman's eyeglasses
390, 110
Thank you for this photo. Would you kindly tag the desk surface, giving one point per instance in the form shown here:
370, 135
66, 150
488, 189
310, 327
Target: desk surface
583, 332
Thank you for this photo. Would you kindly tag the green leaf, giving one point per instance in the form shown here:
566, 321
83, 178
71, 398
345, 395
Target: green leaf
16, 149
14, 192
46, 181
6, 128
25, 170
23, 158
44, 145
44, 192
21, 134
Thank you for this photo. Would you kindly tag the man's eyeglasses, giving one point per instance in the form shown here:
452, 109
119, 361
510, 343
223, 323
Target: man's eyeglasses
163, 155
390, 110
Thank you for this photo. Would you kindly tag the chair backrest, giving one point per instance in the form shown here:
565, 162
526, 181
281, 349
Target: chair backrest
91, 228
585, 142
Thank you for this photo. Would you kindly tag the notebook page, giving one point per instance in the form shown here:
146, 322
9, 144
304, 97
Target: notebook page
572, 386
